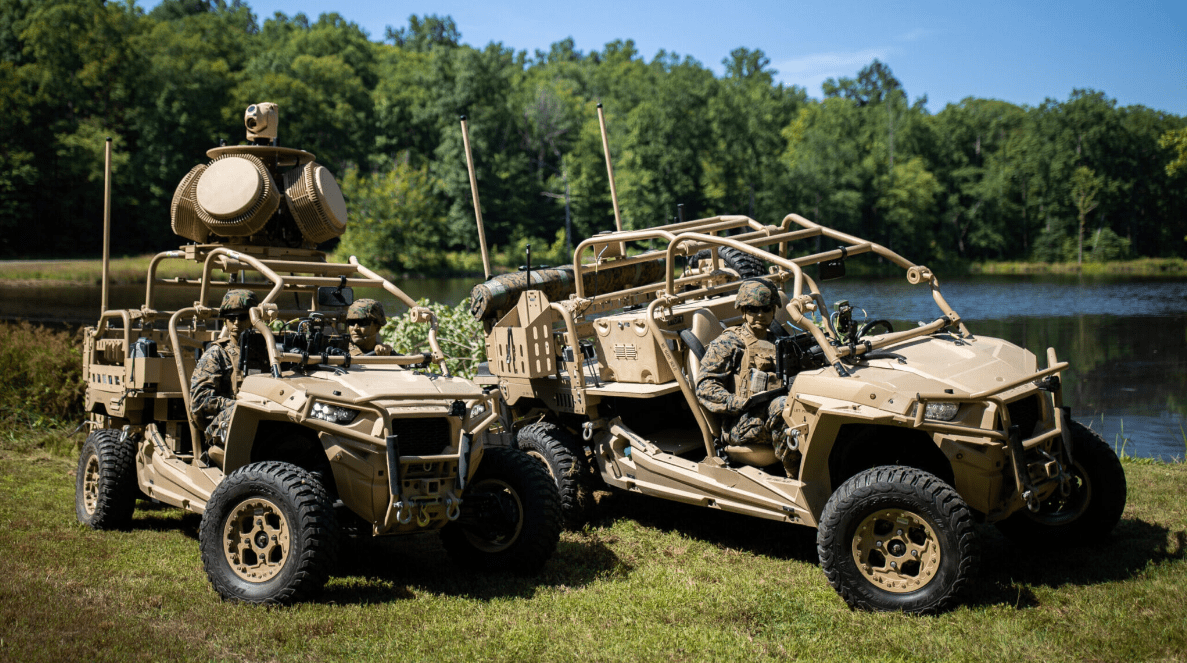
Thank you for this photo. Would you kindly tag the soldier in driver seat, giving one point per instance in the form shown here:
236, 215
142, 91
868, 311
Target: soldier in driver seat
364, 319
215, 378
739, 364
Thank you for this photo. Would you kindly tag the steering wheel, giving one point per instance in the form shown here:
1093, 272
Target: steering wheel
873, 324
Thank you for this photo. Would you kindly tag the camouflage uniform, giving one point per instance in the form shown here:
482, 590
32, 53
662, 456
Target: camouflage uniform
729, 358
212, 386
212, 389
720, 366
371, 311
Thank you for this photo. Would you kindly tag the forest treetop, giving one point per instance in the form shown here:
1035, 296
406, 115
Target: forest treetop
981, 179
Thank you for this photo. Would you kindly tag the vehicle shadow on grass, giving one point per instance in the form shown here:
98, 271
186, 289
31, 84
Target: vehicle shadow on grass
1009, 569
1006, 575
157, 517
379, 570
759, 536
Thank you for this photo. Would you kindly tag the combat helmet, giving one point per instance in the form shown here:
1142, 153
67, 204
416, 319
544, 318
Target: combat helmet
756, 292
236, 302
366, 309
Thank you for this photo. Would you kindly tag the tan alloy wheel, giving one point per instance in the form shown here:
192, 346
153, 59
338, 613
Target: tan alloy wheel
257, 540
90, 485
896, 550
499, 541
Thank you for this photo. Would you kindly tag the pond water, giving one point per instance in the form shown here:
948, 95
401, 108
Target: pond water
1126, 339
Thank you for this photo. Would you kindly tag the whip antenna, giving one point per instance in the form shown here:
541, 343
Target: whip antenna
609, 169
106, 222
474, 193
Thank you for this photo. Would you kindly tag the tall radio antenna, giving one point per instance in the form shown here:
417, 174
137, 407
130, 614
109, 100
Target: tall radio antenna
474, 194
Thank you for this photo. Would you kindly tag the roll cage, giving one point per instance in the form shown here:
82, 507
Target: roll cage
773, 245
282, 271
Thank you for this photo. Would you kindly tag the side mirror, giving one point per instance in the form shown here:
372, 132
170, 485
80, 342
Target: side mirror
833, 269
334, 297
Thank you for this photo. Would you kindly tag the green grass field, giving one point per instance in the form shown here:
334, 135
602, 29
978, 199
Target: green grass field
130, 270
650, 580
1138, 267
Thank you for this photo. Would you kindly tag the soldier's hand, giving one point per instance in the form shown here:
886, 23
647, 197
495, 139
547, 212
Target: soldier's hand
737, 405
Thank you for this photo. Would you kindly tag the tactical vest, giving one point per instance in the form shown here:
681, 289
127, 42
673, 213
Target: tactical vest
235, 354
756, 373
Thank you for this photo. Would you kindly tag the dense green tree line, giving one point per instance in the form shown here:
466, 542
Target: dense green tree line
982, 179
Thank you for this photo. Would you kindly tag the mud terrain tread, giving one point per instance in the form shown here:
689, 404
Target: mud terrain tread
890, 485
566, 458
1109, 489
117, 480
310, 512
542, 516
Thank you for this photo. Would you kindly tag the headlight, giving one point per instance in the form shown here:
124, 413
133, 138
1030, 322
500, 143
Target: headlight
940, 411
333, 413
477, 410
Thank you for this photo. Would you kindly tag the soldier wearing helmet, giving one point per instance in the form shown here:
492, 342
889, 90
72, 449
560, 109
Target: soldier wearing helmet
739, 364
364, 318
215, 378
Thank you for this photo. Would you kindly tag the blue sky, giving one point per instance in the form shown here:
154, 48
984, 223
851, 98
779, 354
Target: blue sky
1022, 52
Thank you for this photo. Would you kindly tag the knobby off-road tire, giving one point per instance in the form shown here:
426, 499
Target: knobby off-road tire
746, 265
1092, 509
268, 535
105, 489
564, 459
511, 515
896, 538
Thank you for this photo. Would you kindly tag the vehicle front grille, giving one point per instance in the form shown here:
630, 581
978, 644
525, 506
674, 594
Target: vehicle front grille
422, 437
1025, 413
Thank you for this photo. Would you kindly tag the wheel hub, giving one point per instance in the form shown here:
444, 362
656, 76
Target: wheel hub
502, 516
896, 550
90, 485
257, 540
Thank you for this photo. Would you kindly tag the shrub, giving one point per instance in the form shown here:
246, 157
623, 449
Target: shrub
459, 334
42, 371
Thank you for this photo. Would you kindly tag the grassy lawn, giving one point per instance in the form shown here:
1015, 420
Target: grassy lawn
650, 580
1138, 267
127, 270
131, 270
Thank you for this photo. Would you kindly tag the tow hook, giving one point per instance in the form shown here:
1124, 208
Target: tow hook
1032, 502
422, 515
590, 427
403, 513
453, 508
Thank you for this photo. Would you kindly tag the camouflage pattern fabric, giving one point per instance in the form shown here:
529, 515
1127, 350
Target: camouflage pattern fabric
236, 302
756, 292
502, 292
762, 424
212, 389
366, 309
380, 350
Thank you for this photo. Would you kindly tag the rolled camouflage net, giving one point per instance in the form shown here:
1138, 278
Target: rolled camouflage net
501, 292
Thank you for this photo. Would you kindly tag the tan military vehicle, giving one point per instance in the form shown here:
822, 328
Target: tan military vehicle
901, 439
318, 440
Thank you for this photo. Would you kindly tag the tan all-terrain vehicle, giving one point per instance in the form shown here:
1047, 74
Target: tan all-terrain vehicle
319, 441
905, 437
